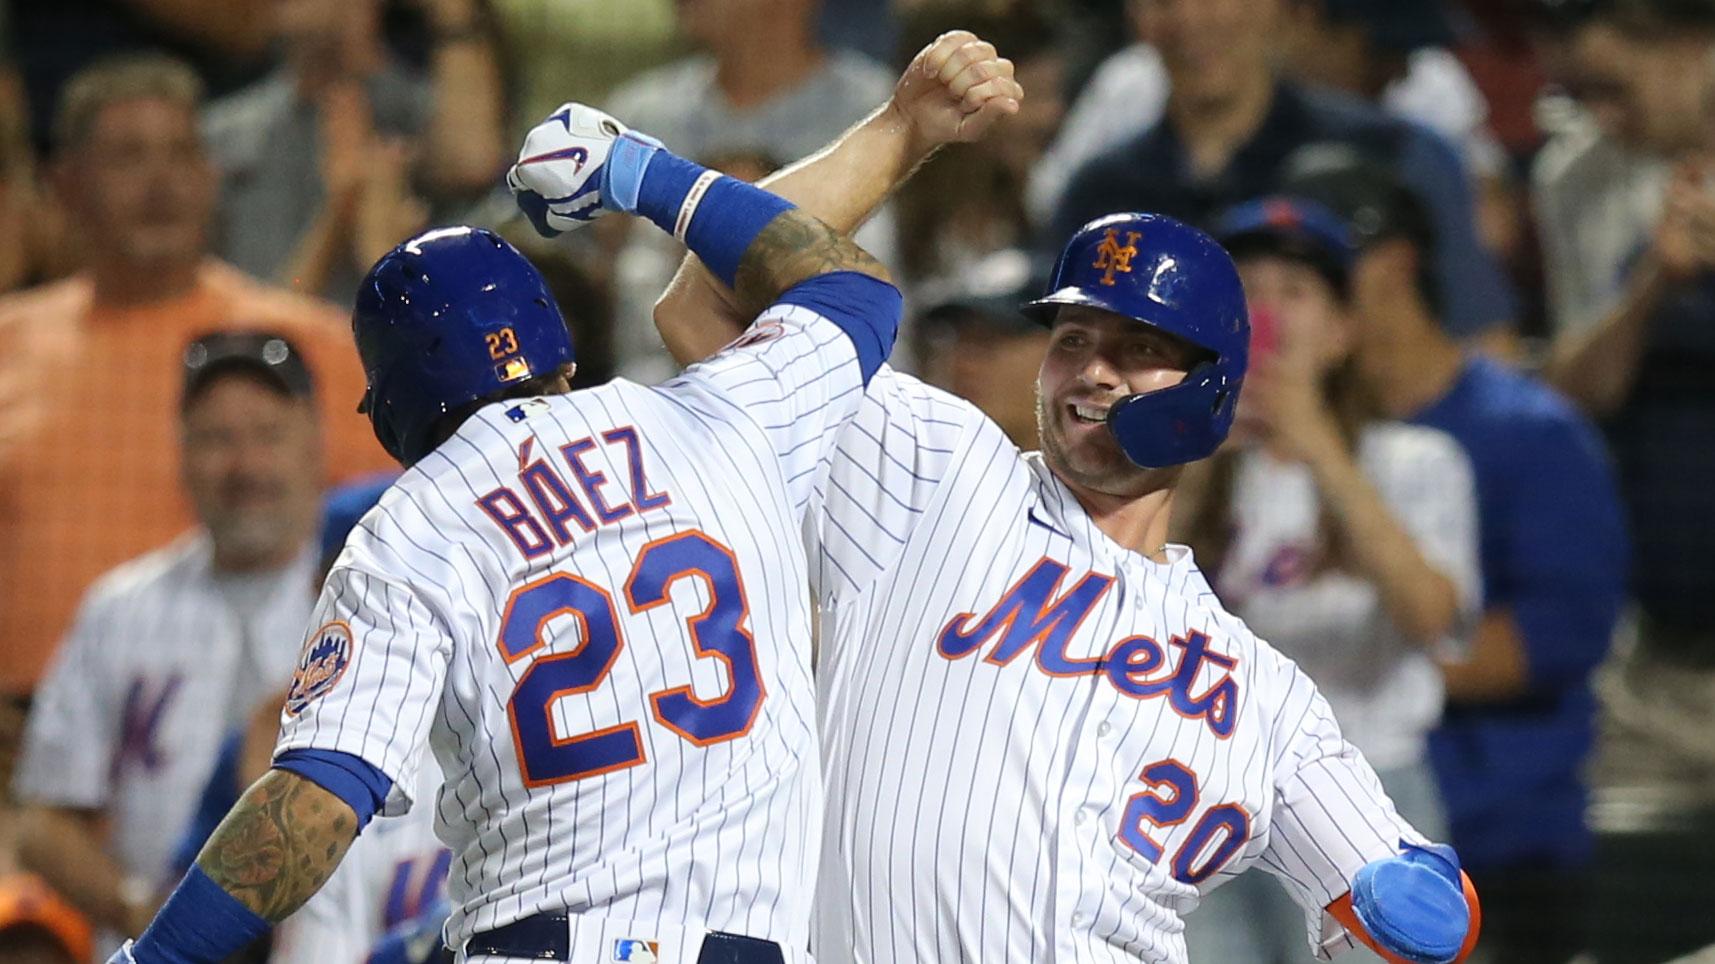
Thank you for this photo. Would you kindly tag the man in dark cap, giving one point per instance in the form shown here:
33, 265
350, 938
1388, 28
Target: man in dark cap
170, 650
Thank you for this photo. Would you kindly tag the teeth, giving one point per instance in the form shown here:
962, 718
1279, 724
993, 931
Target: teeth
1089, 414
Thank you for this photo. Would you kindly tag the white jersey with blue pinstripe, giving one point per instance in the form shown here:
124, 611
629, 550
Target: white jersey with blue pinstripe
593, 608
1039, 745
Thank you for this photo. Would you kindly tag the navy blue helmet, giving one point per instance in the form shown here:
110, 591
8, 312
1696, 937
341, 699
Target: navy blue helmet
449, 317
1176, 278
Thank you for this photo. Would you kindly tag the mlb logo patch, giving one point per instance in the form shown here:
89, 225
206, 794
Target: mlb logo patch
627, 949
326, 655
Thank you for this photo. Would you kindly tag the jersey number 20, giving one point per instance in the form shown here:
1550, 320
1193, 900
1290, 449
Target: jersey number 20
718, 632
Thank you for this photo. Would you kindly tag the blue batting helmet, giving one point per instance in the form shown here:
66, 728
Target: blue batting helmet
1175, 278
451, 316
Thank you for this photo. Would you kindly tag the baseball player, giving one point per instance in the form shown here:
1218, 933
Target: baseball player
1044, 738
590, 605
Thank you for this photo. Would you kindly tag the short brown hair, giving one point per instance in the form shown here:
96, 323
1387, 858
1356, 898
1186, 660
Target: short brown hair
114, 79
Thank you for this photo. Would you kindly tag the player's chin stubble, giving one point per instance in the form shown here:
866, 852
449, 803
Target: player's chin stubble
1099, 466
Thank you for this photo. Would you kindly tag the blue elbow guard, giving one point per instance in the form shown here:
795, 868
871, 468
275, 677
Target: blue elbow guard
1413, 904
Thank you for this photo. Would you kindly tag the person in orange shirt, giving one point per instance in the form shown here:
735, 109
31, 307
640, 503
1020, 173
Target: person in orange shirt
88, 387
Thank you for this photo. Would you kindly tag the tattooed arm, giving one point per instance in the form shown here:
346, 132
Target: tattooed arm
794, 248
279, 844
276, 848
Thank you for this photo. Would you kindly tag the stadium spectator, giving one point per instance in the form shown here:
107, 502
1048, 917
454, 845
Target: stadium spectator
1229, 130
1346, 539
1518, 725
390, 888
981, 347
1627, 212
87, 387
1394, 54
762, 84
762, 89
172, 649
341, 152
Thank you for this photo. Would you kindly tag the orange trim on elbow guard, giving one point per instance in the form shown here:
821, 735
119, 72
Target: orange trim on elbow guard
1342, 911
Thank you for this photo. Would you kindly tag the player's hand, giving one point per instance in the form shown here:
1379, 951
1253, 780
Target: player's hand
560, 180
955, 90
1416, 905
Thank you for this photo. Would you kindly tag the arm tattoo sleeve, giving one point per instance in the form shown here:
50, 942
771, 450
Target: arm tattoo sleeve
279, 844
795, 247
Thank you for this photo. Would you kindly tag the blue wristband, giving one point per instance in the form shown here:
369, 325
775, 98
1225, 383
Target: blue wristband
200, 923
727, 219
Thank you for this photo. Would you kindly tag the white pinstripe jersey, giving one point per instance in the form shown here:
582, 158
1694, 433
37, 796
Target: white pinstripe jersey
593, 608
394, 871
1041, 746
157, 669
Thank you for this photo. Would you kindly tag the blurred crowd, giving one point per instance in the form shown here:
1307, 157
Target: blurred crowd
1471, 488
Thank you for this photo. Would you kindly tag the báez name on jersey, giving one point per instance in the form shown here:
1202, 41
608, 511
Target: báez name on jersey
1034, 613
549, 509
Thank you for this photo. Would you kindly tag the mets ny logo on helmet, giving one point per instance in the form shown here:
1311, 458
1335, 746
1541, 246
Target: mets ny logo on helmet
1112, 256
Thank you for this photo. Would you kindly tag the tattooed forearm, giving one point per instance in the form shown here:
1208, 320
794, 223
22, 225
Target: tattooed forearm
279, 844
792, 248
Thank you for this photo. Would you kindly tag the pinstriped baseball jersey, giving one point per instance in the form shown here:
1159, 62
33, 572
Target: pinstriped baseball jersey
593, 608
394, 871
1041, 746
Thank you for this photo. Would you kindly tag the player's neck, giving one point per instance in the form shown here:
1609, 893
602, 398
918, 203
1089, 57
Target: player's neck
769, 63
1137, 523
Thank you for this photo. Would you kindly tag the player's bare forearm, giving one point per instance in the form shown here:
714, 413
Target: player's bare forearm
279, 844
796, 247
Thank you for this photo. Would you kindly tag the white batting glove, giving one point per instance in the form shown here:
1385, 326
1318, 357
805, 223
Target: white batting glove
123, 955
561, 180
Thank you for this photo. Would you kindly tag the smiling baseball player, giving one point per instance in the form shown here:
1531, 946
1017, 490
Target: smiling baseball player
1044, 737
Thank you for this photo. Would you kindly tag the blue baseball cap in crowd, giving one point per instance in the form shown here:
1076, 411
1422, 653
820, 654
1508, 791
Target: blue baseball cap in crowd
1292, 228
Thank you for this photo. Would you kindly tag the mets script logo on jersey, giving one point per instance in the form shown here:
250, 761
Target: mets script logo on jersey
326, 655
1112, 256
632, 950
1034, 613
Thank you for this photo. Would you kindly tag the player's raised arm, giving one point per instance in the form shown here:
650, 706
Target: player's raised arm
581, 163
954, 90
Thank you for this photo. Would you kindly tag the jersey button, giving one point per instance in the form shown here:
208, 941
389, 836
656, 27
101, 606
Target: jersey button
1077, 920
1104, 728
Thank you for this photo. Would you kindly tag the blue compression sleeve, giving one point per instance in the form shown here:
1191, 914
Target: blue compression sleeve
199, 923
867, 309
650, 181
352, 779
